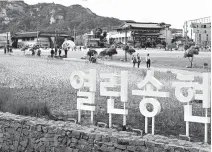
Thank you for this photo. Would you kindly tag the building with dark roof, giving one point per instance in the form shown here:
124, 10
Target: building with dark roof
41, 38
140, 32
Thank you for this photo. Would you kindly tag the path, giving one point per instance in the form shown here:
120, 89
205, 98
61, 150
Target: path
142, 66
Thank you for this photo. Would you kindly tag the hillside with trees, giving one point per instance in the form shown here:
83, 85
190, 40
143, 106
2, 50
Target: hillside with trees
19, 16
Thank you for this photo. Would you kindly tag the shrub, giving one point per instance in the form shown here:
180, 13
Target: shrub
130, 51
91, 52
110, 52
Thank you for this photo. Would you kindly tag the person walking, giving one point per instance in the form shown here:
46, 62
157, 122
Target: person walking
5, 50
148, 61
60, 52
138, 60
39, 52
134, 60
52, 53
66, 52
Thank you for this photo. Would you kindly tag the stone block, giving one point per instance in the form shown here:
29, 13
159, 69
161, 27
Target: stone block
98, 137
74, 140
68, 149
39, 128
184, 137
82, 142
64, 141
141, 148
104, 148
105, 138
108, 144
111, 149
24, 143
123, 142
114, 139
123, 147
150, 144
139, 142
76, 134
131, 148
1, 135
118, 150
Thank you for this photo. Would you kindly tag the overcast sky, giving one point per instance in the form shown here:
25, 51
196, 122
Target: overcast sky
173, 12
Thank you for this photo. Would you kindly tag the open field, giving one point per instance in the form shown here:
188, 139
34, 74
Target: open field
33, 79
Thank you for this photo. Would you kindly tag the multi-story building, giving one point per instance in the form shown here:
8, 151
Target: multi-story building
199, 30
90, 40
141, 32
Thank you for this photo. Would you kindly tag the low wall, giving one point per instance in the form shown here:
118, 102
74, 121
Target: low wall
27, 134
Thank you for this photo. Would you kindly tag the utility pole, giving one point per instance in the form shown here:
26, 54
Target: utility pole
186, 38
55, 42
37, 37
74, 35
7, 43
125, 44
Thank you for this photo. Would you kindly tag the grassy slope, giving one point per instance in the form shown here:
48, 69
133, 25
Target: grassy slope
41, 80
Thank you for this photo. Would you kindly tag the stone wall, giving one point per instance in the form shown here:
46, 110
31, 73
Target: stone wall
27, 134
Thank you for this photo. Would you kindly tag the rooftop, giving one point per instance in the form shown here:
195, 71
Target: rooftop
40, 33
138, 25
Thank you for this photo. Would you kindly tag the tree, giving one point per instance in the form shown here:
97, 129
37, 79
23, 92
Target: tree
190, 51
111, 41
97, 32
129, 50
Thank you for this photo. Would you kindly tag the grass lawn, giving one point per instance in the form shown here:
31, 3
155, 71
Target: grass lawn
31, 80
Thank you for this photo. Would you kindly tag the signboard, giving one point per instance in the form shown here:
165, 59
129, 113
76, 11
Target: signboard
149, 89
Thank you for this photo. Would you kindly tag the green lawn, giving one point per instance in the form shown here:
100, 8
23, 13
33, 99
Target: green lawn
41, 80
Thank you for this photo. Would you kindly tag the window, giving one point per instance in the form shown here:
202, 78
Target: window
204, 26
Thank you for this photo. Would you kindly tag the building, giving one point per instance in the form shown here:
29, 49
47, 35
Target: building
177, 33
5, 39
43, 39
199, 30
138, 32
90, 40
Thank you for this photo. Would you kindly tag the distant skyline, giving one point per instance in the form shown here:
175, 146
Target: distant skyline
174, 12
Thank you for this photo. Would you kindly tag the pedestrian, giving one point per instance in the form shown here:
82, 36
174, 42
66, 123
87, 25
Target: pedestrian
148, 61
80, 48
138, 60
60, 52
52, 52
134, 60
33, 52
39, 52
5, 50
66, 52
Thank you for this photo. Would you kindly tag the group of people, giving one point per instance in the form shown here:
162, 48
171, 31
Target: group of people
7, 50
137, 59
54, 52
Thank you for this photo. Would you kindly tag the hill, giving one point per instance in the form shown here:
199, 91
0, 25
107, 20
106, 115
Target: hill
19, 16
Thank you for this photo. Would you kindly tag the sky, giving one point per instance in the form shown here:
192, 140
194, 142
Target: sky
174, 12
